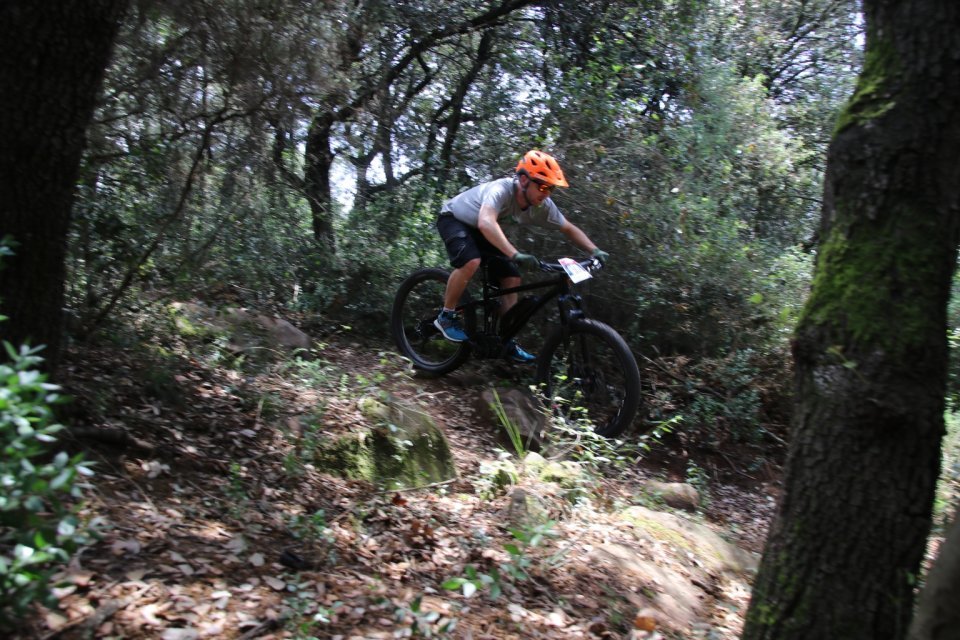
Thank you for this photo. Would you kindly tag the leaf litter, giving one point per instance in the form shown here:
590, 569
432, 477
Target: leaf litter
201, 494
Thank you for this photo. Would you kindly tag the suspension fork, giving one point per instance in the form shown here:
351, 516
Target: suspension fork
571, 308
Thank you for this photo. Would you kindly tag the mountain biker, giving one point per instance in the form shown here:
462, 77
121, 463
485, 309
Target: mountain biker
469, 224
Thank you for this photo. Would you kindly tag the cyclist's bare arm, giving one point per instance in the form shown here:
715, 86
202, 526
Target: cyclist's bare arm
490, 228
576, 235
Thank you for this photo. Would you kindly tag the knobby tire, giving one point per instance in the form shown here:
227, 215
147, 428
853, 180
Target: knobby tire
416, 304
590, 371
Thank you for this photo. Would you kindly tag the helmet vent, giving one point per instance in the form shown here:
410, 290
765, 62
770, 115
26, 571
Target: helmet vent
544, 167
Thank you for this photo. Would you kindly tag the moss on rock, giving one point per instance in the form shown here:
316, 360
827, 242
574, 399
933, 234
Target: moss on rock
403, 449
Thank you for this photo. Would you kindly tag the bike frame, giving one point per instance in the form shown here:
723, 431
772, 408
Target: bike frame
570, 305
578, 356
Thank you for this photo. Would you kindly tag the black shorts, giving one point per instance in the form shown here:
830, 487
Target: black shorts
464, 243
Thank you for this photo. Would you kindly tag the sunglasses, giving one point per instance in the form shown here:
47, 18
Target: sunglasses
544, 188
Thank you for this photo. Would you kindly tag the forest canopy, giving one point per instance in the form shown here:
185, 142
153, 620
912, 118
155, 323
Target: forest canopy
301, 150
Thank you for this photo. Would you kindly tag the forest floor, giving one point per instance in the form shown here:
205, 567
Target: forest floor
215, 525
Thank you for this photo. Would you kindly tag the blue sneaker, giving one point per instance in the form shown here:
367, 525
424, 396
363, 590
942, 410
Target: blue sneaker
449, 325
516, 354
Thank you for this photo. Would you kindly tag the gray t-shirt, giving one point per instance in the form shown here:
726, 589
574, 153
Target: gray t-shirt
498, 194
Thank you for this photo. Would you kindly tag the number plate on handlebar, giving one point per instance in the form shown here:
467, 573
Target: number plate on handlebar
574, 270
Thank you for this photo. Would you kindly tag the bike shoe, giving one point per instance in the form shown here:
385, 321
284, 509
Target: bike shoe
449, 325
516, 354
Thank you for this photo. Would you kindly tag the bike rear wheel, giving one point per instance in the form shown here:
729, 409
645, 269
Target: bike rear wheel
589, 372
416, 305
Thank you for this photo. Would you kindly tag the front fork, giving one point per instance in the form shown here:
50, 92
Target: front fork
571, 308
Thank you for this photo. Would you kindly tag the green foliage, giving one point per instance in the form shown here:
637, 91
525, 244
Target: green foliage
509, 573
574, 436
236, 491
311, 528
731, 408
744, 398
313, 372
697, 477
306, 614
719, 226
308, 443
527, 538
513, 431
495, 476
953, 342
382, 242
702, 177
424, 624
947, 498
953, 373
717, 214
39, 529
6, 250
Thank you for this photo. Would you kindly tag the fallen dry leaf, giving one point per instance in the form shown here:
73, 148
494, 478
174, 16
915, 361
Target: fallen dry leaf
420, 539
149, 614
180, 634
645, 621
275, 583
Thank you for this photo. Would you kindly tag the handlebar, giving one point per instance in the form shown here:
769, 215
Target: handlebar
590, 264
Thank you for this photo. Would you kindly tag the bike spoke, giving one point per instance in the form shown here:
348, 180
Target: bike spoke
592, 380
415, 309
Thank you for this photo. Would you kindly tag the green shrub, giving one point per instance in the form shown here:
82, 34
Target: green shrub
38, 524
953, 341
727, 402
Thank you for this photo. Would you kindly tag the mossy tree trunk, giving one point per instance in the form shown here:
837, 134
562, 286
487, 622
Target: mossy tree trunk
870, 350
52, 58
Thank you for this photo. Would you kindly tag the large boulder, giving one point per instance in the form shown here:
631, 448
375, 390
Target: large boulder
521, 409
678, 495
246, 331
274, 332
525, 510
686, 537
673, 569
283, 333
403, 448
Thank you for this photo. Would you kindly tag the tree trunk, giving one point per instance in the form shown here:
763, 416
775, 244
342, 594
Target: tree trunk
938, 616
870, 350
319, 162
455, 105
52, 58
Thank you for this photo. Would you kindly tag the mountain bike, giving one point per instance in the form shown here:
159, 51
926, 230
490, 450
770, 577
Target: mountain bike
584, 366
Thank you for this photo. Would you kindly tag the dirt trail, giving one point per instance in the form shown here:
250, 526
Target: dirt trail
217, 528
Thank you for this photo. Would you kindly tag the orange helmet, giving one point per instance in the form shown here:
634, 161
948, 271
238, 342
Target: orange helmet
542, 167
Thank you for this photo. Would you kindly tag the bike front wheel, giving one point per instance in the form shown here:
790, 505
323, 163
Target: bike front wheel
588, 372
416, 305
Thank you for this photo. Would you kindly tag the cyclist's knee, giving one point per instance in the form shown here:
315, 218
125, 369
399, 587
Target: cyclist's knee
511, 281
470, 266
